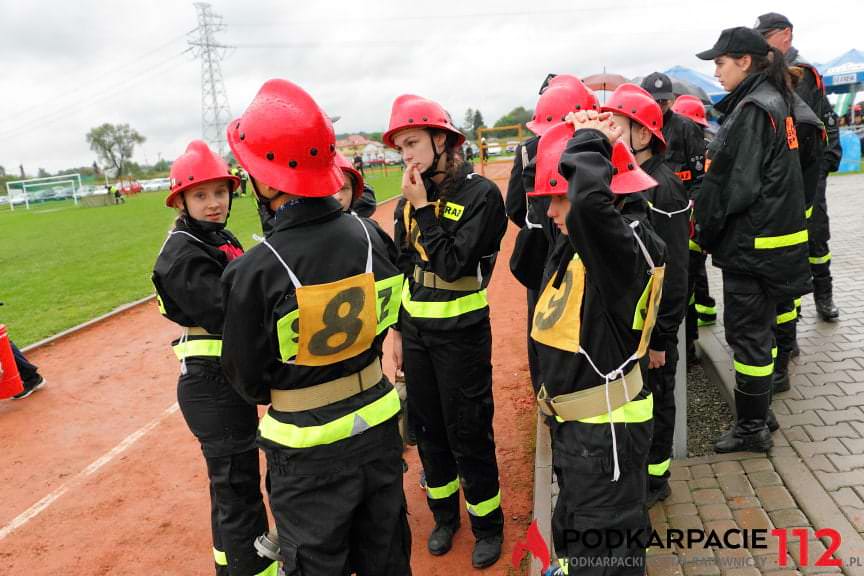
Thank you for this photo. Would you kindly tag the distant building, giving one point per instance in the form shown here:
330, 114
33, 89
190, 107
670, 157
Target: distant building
352, 145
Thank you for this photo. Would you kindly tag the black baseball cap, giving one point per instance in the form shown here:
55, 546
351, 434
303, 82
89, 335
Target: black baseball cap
659, 86
771, 21
739, 40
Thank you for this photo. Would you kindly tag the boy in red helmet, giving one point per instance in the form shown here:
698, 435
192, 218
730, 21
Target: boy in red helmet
560, 95
304, 327
449, 226
592, 324
186, 276
641, 121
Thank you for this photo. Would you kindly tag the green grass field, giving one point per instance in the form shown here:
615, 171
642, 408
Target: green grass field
61, 265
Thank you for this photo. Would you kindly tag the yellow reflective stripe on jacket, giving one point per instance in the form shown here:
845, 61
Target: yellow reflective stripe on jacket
346, 426
757, 371
441, 492
659, 469
271, 570
774, 352
820, 259
486, 507
220, 557
808, 212
768, 242
160, 304
694, 247
387, 292
787, 316
449, 309
634, 412
198, 348
642, 305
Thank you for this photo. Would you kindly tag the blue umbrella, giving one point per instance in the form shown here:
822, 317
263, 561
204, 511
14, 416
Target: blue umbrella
714, 91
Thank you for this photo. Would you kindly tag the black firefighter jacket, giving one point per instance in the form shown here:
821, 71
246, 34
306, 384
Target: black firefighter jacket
811, 147
616, 272
462, 241
750, 206
320, 244
685, 149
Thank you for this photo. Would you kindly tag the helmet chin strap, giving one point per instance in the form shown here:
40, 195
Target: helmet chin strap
433, 171
630, 137
263, 201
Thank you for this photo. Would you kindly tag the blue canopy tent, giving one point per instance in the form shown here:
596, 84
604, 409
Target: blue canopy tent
709, 85
844, 76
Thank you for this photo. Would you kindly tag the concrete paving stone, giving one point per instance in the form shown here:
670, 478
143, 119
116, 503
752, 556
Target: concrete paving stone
679, 472
709, 496
657, 513
806, 418
846, 346
735, 485
761, 465
859, 428
856, 517
821, 379
661, 529
860, 491
821, 463
753, 519
698, 568
720, 528
841, 430
702, 483
785, 572
829, 446
682, 509
770, 562
844, 354
847, 497
815, 550
796, 434
810, 392
775, 498
848, 364
807, 358
711, 512
847, 415
789, 518
799, 406
781, 440
813, 368
783, 452
779, 406
691, 522
731, 558
680, 493
841, 401
767, 478
851, 462
856, 386
742, 502
836, 480
664, 566
702, 471
750, 571
855, 446
722, 468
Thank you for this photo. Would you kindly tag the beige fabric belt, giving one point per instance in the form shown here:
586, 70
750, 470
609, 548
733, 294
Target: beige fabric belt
198, 331
592, 401
432, 280
328, 392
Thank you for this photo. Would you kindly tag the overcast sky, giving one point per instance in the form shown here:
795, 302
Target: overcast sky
68, 66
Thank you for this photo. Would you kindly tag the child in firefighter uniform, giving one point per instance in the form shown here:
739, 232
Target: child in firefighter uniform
593, 322
642, 122
306, 313
449, 226
186, 276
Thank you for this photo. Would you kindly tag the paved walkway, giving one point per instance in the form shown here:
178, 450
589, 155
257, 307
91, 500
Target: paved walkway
814, 477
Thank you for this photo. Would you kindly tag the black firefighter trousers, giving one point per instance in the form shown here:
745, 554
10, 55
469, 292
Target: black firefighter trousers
340, 508
226, 426
449, 381
818, 235
661, 382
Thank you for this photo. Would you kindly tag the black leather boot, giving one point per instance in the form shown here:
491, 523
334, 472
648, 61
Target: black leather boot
771, 421
441, 538
486, 551
750, 432
826, 308
780, 377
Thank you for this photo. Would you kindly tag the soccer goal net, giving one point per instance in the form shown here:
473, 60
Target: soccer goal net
37, 190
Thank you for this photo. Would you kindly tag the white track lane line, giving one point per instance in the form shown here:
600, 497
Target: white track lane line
97, 464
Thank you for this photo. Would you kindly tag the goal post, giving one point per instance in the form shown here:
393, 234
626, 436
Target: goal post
481, 140
33, 190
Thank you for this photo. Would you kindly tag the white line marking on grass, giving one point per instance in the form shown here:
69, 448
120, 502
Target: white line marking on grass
97, 464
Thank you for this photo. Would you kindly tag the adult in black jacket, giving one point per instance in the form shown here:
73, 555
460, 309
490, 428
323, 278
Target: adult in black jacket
449, 226
750, 218
306, 312
186, 276
640, 118
777, 31
592, 324
560, 95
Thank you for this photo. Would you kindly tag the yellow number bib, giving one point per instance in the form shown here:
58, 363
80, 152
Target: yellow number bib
337, 320
649, 312
558, 315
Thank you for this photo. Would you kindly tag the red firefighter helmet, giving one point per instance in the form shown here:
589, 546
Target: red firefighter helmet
637, 104
356, 177
547, 180
627, 176
691, 107
284, 140
195, 166
410, 111
562, 96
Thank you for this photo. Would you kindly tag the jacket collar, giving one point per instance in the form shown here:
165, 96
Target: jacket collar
308, 211
731, 100
652, 164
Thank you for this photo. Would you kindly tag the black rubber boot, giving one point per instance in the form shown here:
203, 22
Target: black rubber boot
750, 433
780, 377
441, 539
486, 551
826, 308
771, 421
658, 490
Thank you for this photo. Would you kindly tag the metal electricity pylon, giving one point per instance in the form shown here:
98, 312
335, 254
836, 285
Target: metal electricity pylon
215, 112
